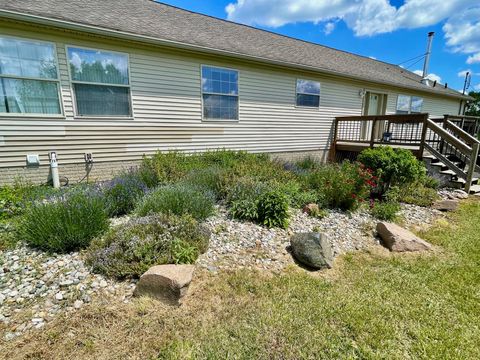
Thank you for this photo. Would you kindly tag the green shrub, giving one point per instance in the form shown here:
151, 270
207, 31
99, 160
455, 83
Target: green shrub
242, 198
264, 203
340, 186
385, 210
430, 182
307, 163
273, 209
297, 196
122, 193
417, 194
177, 199
66, 223
15, 199
392, 166
130, 249
212, 178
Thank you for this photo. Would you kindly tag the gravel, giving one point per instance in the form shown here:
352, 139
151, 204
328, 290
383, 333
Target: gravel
35, 287
236, 244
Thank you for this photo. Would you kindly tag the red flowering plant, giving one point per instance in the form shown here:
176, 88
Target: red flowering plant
343, 186
391, 167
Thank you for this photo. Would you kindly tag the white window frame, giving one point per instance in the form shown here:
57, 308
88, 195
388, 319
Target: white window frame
220, 94
72, 87
57, 81
299, 93
409, 104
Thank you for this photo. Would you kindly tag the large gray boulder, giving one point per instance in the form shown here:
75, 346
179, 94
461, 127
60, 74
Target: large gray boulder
168, 283
312, 249
398, 239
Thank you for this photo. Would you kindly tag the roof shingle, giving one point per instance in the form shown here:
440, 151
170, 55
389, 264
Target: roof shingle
164, 22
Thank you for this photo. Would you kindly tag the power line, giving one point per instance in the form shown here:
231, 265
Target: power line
416, 57
416, 62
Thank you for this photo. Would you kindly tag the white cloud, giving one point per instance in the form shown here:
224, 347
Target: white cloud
462, 32
431, 76
373, 57
365, 17
477, 87
329, 27
475, 58
371, 17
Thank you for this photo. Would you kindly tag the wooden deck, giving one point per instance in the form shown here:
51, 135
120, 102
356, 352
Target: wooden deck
444, 138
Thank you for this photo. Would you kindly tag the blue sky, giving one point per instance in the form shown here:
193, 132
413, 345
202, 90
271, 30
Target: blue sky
393, 31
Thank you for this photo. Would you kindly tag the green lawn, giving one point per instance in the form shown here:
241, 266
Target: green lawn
375, 305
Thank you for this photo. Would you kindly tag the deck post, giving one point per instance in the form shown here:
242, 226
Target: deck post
372, 134
471, 166
424, 135
333, 148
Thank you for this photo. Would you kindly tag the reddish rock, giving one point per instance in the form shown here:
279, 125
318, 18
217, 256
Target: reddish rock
168, 283
398, 239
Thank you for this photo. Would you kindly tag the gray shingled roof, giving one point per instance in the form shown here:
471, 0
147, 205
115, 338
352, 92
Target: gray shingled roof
164, 22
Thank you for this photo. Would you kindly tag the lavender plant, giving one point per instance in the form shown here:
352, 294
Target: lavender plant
65, 223
122, 193
128, 250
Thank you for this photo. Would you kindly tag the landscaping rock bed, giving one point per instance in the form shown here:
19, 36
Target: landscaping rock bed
35, 287
236, 244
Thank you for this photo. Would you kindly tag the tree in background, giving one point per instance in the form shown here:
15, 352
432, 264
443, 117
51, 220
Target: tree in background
473, 109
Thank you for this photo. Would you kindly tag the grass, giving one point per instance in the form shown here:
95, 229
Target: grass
370, 306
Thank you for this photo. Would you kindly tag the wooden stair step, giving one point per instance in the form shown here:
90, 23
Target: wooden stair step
448, 172
440, 164
463, 181
474, 189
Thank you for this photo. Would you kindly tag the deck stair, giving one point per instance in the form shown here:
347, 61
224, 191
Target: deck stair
449, 177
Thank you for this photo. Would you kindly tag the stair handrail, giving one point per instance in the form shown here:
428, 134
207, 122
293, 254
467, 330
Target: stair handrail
470, 151
467, 150
465, 136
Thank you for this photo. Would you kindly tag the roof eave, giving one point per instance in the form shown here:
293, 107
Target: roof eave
164, 42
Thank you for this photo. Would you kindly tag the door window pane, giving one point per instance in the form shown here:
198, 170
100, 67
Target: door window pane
99, 100
98, 66
29, 96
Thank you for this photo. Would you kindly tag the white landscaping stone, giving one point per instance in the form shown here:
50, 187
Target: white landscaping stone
78, 304
168, 283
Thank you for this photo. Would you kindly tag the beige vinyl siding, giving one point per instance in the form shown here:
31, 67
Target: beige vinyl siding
436, 107
167, 108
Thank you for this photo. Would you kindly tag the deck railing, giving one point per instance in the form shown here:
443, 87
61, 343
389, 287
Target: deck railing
399, 130
452, 145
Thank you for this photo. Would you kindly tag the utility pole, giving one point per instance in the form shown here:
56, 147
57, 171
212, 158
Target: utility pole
466, 84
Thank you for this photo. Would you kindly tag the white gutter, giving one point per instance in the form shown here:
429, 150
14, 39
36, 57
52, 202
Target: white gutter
152, 40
